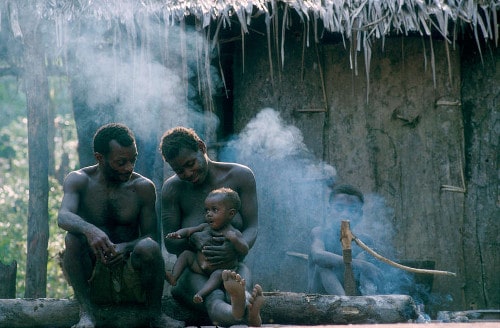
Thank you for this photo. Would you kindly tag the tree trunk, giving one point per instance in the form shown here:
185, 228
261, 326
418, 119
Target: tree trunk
37, 99
8, 280
279, 308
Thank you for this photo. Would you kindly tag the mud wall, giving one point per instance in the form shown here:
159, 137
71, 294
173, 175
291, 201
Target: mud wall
397, 134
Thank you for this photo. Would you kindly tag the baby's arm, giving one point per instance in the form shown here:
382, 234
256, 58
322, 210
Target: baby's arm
186, 232
236, 238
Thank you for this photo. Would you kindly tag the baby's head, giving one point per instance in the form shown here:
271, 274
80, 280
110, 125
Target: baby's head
221, 205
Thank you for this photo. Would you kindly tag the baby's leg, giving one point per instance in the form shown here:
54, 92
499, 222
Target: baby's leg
212, 284
185, 259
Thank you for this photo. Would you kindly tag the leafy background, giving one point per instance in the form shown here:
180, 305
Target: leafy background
14, 183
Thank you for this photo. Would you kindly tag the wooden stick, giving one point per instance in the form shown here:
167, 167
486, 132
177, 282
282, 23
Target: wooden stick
346, 239
397, 265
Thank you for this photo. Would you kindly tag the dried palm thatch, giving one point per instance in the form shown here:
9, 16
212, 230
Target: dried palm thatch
359, 22
367, 18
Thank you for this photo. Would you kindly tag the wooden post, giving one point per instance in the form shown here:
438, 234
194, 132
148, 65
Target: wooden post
8, 280
346, 239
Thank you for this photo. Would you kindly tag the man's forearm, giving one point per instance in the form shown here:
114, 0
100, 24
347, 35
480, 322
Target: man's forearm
250, 235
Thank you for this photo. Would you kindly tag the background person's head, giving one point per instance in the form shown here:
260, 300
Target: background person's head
221, 205
346, 203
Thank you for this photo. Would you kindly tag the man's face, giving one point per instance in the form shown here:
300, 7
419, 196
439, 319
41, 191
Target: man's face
346, 207
120, 162
217, 214
190, 166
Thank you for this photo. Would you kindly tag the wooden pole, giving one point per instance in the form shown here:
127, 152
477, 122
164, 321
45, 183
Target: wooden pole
346, 239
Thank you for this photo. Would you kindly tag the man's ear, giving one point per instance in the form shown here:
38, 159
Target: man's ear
202, 147
99, 157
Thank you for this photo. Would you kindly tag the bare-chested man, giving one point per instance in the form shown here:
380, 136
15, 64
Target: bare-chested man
183, 197
112, 255
326, 263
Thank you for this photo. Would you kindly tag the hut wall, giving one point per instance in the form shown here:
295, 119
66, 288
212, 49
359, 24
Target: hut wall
402, 143
481, 226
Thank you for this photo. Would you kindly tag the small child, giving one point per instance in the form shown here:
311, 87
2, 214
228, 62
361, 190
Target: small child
221, 205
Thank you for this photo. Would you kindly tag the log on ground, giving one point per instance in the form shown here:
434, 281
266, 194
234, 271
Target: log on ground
279, 308
315, 309
63, 313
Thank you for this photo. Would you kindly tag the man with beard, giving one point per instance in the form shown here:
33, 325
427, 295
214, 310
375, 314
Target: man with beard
183, 196
112, 253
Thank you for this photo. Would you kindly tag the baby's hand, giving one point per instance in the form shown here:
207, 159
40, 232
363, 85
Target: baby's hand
173, 235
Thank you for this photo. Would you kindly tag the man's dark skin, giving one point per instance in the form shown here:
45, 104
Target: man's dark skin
183, 198
109, 213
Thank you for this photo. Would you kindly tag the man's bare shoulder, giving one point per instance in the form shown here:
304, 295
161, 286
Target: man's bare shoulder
172, 185
79, 178
140, 180
143, 185
239, 171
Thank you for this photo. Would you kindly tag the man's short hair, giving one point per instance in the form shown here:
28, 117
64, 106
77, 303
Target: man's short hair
231, 197
177, 138
346, 190
112, 131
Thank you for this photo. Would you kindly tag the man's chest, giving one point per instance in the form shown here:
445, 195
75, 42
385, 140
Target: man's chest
105, 207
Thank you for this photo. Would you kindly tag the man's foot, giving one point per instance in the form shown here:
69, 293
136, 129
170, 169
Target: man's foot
235, 286
256, 301
170, 278
164, 321
87, 320
197, 299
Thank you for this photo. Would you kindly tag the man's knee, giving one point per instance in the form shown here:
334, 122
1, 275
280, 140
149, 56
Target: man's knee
73, 242
146, 251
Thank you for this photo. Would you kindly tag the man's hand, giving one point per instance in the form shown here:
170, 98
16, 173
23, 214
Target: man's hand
100, 244
120, 250
216, 248
220, 254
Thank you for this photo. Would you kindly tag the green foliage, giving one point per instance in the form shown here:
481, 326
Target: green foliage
14, 186
12, 104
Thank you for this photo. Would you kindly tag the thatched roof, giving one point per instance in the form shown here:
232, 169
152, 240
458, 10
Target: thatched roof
371, 18
357, 21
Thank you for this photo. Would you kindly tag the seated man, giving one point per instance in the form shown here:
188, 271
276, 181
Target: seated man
112, 255
182, 198
326, 264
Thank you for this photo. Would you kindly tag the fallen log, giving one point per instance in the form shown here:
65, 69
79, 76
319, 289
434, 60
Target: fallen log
315, 309
279, 308
63, 313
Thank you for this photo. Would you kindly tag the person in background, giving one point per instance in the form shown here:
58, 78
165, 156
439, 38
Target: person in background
112, 254
182, 200
221, 205
326, 265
